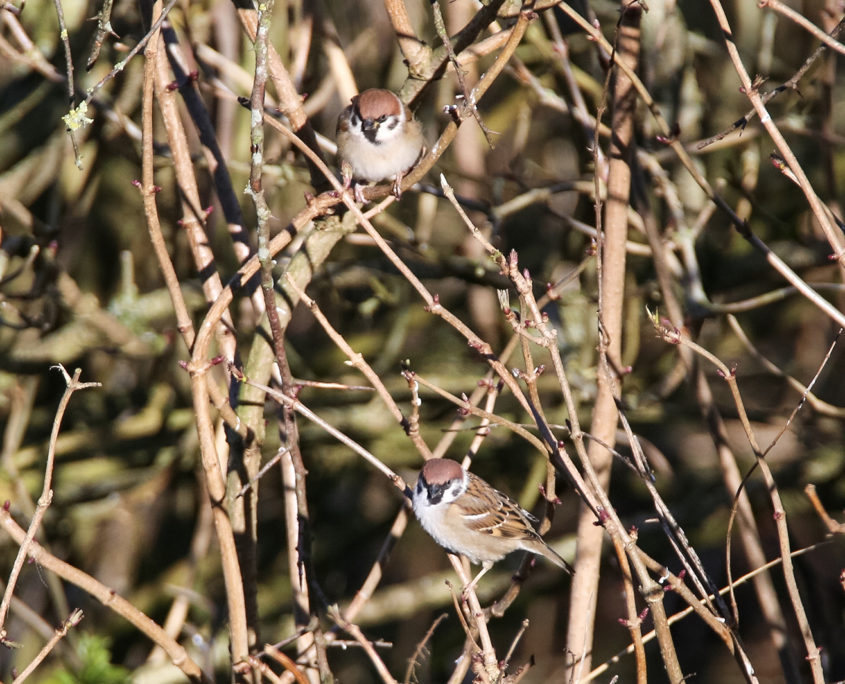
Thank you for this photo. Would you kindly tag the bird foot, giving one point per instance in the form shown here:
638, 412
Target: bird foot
397, 186
359, 194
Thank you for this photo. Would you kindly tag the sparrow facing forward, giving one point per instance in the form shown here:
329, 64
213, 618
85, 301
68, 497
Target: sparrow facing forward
377, 138
466, 515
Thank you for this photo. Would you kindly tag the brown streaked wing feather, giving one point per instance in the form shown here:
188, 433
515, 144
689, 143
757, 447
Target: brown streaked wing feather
487, 510
343, 120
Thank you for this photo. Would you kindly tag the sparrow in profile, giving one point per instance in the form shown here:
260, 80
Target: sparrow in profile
377, 138
465, 515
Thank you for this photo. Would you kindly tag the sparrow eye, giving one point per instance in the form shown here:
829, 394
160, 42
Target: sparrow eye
382, 118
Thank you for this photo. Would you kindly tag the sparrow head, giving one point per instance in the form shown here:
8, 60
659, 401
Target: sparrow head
378, 114
441, 480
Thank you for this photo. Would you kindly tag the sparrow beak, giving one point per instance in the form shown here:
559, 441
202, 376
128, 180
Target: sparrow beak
435, 492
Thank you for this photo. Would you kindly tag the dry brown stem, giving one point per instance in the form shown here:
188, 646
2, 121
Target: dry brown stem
72, 384
178, 655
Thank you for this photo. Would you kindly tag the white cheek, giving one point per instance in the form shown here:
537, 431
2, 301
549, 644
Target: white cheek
386, 134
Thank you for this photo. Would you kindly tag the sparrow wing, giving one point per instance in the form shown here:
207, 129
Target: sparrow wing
487, 510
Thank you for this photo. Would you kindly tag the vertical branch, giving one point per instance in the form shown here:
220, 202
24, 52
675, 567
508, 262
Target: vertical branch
255, 190
469, 156
200, 390
293, 468
65, 40
297, 571
611, 258
242, 454
17, 420
415, 51
193, 216
489, 666
633, 621
71, 95
290, 102
104, 28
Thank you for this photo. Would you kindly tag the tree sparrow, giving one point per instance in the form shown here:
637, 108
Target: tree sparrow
377, 138
466, 515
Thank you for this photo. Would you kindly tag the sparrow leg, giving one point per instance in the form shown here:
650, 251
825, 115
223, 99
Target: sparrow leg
348, 181
397, 185
359, 193
469, 587
346, 174
397, 182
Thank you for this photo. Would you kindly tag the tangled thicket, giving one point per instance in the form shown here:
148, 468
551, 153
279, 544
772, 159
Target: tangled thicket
613, 283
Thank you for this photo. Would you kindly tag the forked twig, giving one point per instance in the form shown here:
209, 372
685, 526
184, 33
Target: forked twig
72, 384
72, 621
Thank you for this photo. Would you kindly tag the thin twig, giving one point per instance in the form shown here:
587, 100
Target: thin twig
421, 650
69, 83
356, 633
72, 621
357, 361
832, 526
72, 384
121, 65
812, 655
300, 408
752, 92
440, 27
675, 583
104, 28
264, 470
109, 598
803, 22
286, 662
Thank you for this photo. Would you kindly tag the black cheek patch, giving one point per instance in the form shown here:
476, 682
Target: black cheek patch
435, 494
